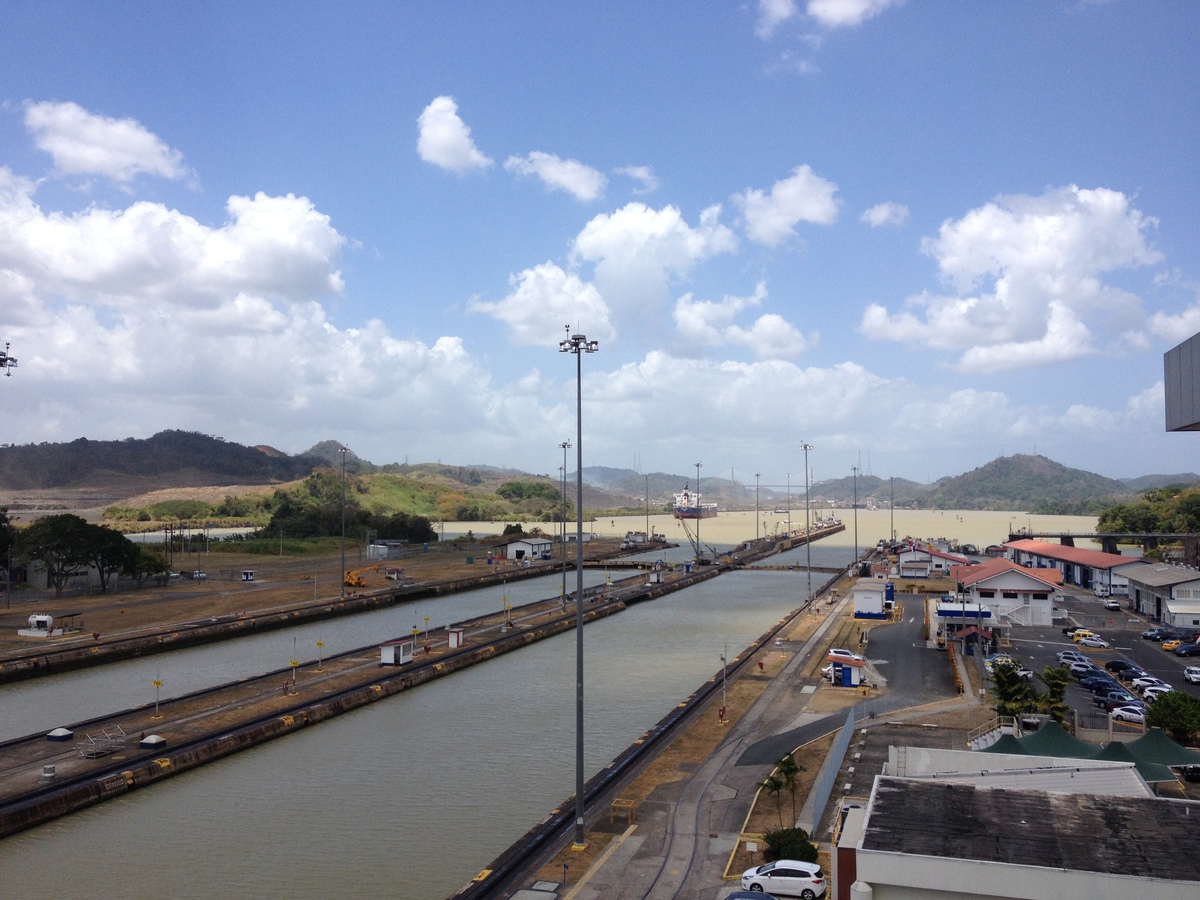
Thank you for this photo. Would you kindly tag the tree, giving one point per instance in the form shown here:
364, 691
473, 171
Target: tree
788, 769
108, 551
1176, 713
60, 544
1013, 695
789, 843
1054, 702
774, 787
149, 561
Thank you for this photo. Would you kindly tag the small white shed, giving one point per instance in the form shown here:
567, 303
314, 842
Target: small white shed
396, 653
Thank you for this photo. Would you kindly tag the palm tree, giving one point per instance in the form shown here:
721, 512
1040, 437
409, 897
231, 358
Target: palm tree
788, 769
774, 787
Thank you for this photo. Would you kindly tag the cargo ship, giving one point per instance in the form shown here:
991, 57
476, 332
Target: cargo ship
688, 506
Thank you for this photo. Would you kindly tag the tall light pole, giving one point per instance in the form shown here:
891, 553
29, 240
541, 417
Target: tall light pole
579, 345
807, 526
342, 573
565, 445
892, 505
7, 363
647, 477
699, 516
756, 474
854, 469
789, 505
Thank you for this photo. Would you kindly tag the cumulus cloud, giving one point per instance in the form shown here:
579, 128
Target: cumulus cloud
444, 140
542, 300
580, 181
887, 213
643, 175
637, 251
844, 13
276, 246
713, 323
772, 14
804, 196
83, 143
1039, 262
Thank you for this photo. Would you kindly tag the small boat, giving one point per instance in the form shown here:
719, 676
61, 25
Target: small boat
688, 506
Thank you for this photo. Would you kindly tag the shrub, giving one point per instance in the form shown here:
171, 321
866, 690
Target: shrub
789, 843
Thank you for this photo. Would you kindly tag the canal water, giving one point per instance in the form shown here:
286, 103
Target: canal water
407, 798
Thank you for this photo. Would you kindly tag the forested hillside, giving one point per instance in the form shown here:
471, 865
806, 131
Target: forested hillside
202, 459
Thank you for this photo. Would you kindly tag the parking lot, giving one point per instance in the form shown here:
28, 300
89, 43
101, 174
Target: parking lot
1035, 647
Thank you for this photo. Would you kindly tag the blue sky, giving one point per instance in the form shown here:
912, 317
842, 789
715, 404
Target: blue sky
917, 235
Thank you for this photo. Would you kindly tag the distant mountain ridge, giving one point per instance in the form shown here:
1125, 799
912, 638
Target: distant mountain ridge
189, 459
169, 458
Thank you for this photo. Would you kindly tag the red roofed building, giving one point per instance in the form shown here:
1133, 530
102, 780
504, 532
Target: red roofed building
1092, 570
1016, 595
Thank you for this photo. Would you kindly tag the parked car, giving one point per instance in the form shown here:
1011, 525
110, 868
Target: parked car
995, 659
1081, 633
1065, 656
1110, 705
1188, 650
1117, 666
1128, 714
786, 876
844, 654
1154, 691
1118, 696
1112, 603
1157, 633
1172, 644
1096, 683
1192, 674
1084, 669
1094, 642
750, 895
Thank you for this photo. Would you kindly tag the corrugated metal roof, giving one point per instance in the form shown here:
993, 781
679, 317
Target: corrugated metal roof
1161, 575
993, 567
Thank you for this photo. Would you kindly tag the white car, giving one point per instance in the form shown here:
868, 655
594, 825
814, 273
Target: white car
1066, 656
1095, 642
1140, 684
1112, 604
1154, 691
1192, 674
842, 653
1128, 714
786, 876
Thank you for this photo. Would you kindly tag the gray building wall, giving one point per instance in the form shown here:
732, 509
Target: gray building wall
1181, 384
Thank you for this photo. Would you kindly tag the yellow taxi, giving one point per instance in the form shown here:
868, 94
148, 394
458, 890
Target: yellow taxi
1171, 645
1081, 633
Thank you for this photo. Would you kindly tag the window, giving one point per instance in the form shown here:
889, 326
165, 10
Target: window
1010, 595
987, 594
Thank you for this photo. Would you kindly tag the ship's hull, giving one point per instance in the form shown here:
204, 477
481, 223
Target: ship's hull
695, 512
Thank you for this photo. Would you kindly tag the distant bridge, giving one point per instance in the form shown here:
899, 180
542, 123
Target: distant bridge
1108, 542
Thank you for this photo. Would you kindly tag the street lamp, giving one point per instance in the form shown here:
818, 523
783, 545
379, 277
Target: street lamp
807, 526
756, 507
566, 445
579, 345
854, 469
700, 515
647, 477
342, 574
7, 363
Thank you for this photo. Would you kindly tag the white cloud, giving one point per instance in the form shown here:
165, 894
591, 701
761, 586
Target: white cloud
713, 323
802, 197
887, 213
83, 143
772, 14
843, 13
580, 181
637, 251
644, 175
280, 247
1042, 258
445, 140
543, 300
